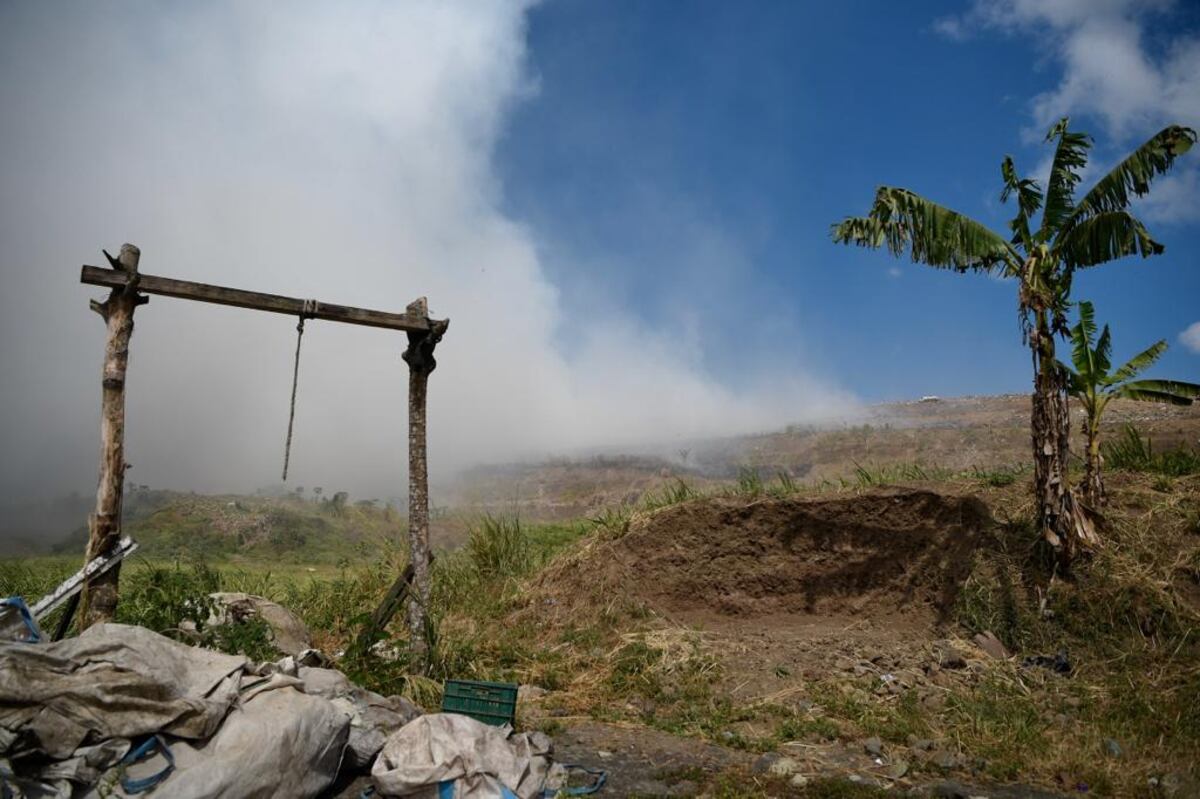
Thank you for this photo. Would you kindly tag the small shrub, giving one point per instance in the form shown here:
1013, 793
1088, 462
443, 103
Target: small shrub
498, 547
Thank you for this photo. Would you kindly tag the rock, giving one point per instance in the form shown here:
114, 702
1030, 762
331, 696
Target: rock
685, 788
530, 693
949, 790
603, 755
898, 769
784, 767
1112, 748
947, 761
650, 788
991, 645
764, 763
288, 633
920, 744
873, 746
1178, 785
952, 659
934, 701
798, 781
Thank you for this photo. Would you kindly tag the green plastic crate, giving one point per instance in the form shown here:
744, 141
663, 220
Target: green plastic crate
492, 703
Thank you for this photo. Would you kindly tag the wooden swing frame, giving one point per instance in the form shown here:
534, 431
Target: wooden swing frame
129, 289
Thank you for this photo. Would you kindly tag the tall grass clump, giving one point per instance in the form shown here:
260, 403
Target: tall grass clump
886, 474
671, 494
1131, 452
749, 482
499, 547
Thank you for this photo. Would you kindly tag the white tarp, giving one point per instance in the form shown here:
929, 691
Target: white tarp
70, 710
478, 758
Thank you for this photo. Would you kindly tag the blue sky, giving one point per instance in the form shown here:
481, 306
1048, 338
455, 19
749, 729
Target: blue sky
692, 156
623, 207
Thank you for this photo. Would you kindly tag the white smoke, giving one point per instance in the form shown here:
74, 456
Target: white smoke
335, 151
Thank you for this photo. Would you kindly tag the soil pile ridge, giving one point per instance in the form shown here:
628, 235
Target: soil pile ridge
870, 554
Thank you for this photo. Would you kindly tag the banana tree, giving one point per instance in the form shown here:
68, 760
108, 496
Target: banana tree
1041, 259
1091, 382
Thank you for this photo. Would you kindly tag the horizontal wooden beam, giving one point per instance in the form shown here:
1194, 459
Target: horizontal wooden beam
274, 303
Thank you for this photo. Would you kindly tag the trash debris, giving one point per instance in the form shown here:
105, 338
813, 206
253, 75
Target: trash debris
1059, 664
289, 635
490, 702
17, 622
478, 759
75, 710
122, 710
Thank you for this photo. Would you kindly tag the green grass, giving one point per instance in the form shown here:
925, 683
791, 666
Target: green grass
1131, 452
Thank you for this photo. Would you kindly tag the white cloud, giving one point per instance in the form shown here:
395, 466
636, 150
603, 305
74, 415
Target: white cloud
1190, 337
894, 271
342, 152
1110, 72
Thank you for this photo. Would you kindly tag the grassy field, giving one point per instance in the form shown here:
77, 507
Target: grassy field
1128, 620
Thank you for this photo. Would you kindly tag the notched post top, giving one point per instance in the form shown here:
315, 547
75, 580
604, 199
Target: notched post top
126, 262
421, 343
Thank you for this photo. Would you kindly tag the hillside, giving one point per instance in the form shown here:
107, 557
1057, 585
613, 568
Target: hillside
913, 439
289, 529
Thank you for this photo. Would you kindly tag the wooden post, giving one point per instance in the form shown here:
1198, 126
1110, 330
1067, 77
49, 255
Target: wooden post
99, 600
419, 357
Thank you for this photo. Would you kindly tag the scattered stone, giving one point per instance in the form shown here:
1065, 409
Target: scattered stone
920, 744
898, 769
764, 763
952, 659
947, 761
603, 755
1178, 784
650, 788
784, 767
1112, 748
991, 645
530, 693
684, 788
950, 790
798, 781
873, 746
934, 701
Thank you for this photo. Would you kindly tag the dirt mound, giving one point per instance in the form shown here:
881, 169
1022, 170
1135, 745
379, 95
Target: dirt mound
875, 553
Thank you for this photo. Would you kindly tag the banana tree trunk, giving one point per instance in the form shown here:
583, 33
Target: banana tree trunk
1050, 426
1093, 485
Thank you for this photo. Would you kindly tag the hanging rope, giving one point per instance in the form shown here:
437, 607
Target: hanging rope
309, 311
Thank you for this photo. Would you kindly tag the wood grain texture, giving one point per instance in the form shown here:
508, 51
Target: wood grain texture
99, 596
272, 303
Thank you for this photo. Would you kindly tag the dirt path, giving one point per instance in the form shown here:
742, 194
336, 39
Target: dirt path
643, 762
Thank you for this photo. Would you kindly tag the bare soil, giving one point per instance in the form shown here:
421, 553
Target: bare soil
892, 554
